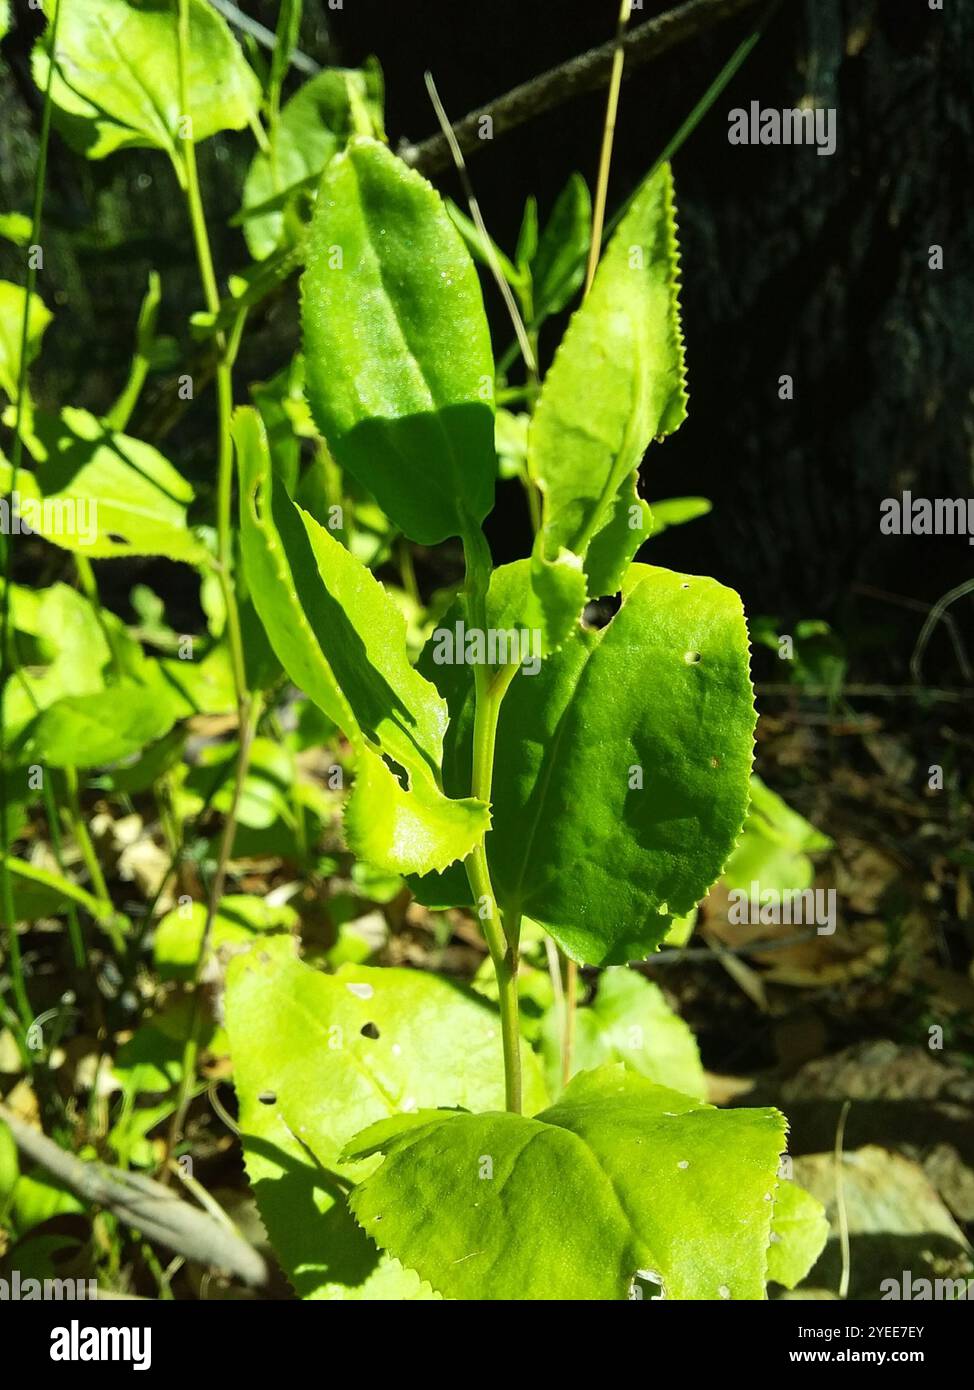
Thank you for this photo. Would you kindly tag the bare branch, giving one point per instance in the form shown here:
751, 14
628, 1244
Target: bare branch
585, 73
145, 1205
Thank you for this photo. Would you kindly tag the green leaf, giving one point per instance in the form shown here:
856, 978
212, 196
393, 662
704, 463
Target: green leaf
677, 511
313, 126
41, 893
15, 226
617, 381
620, 1175
628, 1021
342, 640
72, 650
628, 523
308, 1077
480, 248
11, 328
240, 920
799, 1231
104, 494
99, 728
558, 266
774, 848
399, 367
661, 697
116, 79
527, 240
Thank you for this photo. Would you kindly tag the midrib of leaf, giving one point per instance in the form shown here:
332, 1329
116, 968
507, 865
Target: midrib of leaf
616, 474
353, 732
517, 903
133, 72
407, 345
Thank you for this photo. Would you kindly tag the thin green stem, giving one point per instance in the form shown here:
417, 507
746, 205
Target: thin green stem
21, 997
79, 830
71, 912
191, 1043
501, 936
186, 167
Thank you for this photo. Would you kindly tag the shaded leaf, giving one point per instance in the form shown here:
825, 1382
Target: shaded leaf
799, 1231
11, 328
342, 639
104, 494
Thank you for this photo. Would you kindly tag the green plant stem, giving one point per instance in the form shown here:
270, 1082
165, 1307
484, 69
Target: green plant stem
79, 830
214, 897
501, 936
187, 172
568, 1033
71, 912
18, 982
248, 705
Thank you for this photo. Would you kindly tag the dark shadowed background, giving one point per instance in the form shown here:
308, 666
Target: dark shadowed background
793, 263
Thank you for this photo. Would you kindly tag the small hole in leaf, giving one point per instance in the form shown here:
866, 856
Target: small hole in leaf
599, 612
267, 1097
116, 539
684, 586
691, 658
369, 1030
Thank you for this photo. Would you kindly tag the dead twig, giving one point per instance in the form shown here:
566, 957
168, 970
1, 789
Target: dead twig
585, 73
147, 1206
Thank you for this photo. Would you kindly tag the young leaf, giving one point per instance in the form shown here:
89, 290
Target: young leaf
677, 511
558, 265
41, 893
103, 727
103, 494
116, 79
72, 646
314, 125
619, 1176
11, 324
317, 1057
399, 367
799, 1231
617, 381
241, 919
621, 772
341, 638
628, 1021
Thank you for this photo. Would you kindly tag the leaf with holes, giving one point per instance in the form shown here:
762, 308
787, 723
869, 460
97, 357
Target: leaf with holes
318, 1057
399, 367
619, 1176
622, 766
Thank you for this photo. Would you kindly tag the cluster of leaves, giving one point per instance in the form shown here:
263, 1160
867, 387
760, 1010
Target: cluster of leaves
597, 799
